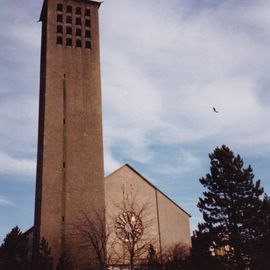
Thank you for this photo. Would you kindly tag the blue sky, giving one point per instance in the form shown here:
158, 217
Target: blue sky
165, 64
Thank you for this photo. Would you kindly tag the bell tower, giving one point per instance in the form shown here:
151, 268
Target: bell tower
70, 173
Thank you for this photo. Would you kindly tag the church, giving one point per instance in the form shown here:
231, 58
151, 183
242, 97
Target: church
125, 207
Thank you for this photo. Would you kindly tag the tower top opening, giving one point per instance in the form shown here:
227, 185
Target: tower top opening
45, 2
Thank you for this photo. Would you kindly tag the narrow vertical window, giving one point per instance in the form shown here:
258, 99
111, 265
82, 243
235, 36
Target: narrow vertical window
87, 12
69, 9
59, 18
69, 42
59, 40
87, 34
87, 22
69, 19
78, 11
78, 43
88, 44
78, 21
59, 7
69, 30
59, 29
78, 32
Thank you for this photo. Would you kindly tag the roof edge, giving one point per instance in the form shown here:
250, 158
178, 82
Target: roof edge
29, 230
43, 10
91, 1
152, 185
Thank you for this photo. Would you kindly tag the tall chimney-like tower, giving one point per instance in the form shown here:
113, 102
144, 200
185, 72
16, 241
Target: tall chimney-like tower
70, 174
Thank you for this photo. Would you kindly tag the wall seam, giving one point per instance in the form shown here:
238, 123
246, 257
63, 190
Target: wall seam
64, 169
158, 221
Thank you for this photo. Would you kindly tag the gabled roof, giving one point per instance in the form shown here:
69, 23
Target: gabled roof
149, 183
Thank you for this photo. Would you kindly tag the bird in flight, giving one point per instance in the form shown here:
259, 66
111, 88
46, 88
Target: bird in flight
214, 109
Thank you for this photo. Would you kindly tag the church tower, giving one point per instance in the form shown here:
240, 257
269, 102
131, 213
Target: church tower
70, 173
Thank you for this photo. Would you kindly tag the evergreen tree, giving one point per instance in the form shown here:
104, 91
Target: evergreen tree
14, 251
45, 260
231, 206
63, 263
201, 257
260, 250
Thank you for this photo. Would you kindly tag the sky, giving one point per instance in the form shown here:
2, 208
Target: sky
164, 66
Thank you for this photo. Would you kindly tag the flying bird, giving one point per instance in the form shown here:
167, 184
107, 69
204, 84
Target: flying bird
214, 109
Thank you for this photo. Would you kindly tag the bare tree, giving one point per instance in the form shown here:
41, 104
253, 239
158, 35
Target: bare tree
174, 256
93, 233
123, 239
133, 233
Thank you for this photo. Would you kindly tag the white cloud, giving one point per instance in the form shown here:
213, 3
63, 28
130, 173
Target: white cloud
4, 201
183, 162
111, 164
165, 68
10, 165
165, 64
18, 124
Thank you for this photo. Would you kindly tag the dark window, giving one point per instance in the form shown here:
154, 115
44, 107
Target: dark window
59, 18
78, 21
59, 40
69, 30
78, 43
87, 33
59, 7
69, 9
88, 44
78, 32
69, 19
78, 10
69, 42
59, 29
87, 12
87, 23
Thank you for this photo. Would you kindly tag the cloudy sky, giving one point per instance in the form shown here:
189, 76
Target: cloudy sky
165, 64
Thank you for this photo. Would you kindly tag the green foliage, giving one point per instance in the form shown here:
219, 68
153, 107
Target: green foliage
231, 207
13, 251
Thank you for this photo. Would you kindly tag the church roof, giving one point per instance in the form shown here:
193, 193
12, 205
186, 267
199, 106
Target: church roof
148, 182
29, 231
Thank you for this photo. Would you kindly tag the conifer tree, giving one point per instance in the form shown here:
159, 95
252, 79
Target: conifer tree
231, 206
14, 251
63, 263
45, 260
201, 256
260, 250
